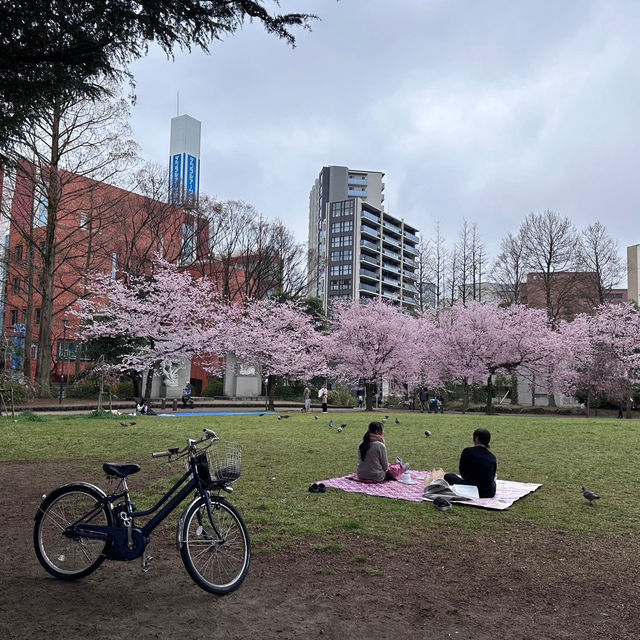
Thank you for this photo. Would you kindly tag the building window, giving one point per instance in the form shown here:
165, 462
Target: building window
84, 220
342, 227
341, 256
14, 317
42, 212
19, 250
38, 315
341, 241
15, 285
341, 270
114, 266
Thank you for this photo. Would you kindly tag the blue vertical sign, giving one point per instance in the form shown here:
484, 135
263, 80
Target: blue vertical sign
191, 176
176, 179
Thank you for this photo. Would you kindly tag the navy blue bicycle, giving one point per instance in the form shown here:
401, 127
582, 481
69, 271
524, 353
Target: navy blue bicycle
78, 526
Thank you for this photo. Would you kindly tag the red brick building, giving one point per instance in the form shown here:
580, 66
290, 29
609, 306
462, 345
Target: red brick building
99, 228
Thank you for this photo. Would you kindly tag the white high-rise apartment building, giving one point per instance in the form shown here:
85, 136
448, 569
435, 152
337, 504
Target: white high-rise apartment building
357, 250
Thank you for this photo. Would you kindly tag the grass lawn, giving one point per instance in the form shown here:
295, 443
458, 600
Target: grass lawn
281, 458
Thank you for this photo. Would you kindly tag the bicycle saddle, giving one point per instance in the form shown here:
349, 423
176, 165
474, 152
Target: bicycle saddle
120, 470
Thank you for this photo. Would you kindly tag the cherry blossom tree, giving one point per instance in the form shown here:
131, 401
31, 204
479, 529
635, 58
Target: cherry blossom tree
476, 341
160, 320
372, 341
280, 338
604, 357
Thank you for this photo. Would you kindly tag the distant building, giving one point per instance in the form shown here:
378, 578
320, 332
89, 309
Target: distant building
633, 273
357, 250
485, 292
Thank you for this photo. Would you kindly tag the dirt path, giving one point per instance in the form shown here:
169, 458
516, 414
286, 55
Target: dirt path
517, 586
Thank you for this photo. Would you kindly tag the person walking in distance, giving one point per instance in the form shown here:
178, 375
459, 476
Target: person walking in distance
324, 398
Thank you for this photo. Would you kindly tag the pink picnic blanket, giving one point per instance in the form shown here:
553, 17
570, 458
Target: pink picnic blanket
507, 492
386, 489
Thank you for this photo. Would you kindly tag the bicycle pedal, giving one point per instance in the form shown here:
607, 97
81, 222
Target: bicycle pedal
146, 561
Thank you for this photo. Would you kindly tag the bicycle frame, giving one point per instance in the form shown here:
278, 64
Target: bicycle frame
128, 542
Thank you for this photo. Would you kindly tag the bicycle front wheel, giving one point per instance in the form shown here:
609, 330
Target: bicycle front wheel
62, 554
216, 564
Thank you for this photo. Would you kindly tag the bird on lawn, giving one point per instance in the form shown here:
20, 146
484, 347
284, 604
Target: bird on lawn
339, 429
589, 495
132, 423
427, 433
386, 417
331, 424
124, 424
279, 417
315, 417
285, 417
397, 421
343, 425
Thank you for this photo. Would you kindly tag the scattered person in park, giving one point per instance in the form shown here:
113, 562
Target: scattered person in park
360, 400
373, 465
424, 398
306, 396
143, 408
620, 410
324, 398
478, 466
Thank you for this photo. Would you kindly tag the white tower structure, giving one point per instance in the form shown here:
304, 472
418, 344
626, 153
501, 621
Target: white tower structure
184, 161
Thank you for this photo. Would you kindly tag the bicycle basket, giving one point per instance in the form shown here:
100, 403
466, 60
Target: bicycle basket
220, 463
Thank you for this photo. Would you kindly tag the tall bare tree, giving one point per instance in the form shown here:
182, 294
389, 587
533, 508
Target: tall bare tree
72, 145
510, 268
598, 254
550, 242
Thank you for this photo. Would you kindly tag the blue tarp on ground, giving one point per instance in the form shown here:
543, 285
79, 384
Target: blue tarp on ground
216, 413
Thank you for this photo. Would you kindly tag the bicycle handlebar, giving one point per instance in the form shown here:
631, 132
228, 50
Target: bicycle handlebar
208, 435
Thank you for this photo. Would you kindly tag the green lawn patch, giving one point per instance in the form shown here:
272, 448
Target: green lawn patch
282, 458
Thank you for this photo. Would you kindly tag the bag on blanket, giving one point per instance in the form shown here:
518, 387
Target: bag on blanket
440, 487
395, 470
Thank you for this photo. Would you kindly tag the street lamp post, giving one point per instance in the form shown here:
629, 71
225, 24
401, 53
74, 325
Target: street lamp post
62, 356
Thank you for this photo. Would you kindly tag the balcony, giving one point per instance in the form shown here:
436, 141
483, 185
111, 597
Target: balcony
409, 275
368, 287
391, 281
370, 216
389, 226
392, 241
390, 267
410, 236
358, 182
411, 250
365, 258
390, 295
391, 254
357, 193
369, 231
370, 245
409, 261
368, 273
410, 287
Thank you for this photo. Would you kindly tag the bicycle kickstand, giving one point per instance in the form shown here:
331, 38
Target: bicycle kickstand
146, 561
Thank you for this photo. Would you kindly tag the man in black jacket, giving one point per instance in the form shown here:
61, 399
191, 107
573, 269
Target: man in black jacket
478, 466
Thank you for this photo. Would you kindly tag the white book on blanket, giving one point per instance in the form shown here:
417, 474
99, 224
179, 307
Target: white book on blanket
469, 491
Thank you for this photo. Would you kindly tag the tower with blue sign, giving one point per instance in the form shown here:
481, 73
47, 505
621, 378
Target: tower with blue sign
184, 161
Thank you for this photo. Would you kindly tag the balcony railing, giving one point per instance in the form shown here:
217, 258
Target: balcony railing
410, 249
391, 254
409, 275
391, 295
392, 241
367, 287
360, 182
370, 245
370, 231
365, 258
357, 193
370, 216
392, 227
368, 273
390, 267
391, 281
411, 236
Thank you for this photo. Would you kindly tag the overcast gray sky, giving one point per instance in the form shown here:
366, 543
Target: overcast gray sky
483, 110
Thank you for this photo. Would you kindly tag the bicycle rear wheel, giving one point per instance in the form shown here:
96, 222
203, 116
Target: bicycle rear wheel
62, 554
217, 565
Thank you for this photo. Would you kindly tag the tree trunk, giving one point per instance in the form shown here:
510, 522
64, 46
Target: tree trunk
369, 391
148, 386
49, 260
490, 408
588, 403
465, 396
28, 321
272, 382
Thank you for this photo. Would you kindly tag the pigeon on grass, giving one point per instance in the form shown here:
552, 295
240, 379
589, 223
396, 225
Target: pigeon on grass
331, 424
590, 495
397, 421
124, 424
427, 433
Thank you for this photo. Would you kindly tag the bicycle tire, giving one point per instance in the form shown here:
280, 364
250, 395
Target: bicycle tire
65, 557
217, 567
